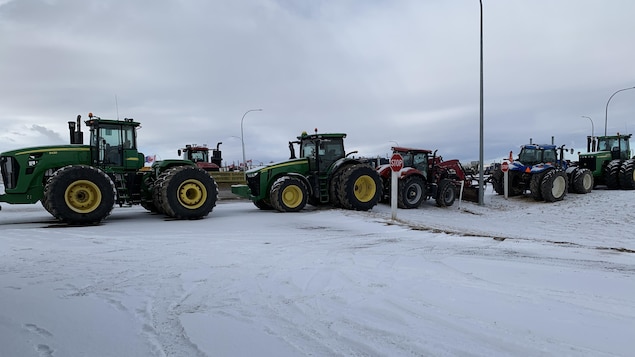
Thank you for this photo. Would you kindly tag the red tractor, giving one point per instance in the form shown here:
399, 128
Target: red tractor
426, 176
199, 154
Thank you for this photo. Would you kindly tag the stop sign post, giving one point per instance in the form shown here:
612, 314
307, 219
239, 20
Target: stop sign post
396, 164
505, 169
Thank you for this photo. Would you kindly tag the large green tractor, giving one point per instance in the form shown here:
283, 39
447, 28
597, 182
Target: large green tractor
323, 174
80, 184
610, 161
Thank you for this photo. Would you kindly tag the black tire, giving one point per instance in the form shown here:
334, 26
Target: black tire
554, 185
263, 205
535, 186
187, 192
157, 197
146, 203
411, 192
446, 193
498, 180
79, 194
359, 188
612, 174
288, 194
627, 175
334, 187
582, 181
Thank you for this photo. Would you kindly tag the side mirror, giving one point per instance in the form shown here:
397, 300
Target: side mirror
179, 153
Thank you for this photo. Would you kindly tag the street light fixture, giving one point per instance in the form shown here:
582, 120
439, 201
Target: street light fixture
242, 137
606, 113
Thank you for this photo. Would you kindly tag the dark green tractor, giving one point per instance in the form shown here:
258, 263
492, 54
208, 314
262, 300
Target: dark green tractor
322, 175
80, 184
610, 161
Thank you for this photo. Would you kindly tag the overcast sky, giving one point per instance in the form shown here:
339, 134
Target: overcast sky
382, 71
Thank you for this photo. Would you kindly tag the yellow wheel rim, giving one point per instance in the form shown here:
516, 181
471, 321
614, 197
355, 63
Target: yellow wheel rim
192, 194
82, 196
292, 196
365, 188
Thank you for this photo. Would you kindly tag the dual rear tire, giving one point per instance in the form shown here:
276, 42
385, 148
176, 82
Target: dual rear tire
185, 192
550, 186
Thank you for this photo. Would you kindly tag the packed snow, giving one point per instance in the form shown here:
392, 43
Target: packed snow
512, 277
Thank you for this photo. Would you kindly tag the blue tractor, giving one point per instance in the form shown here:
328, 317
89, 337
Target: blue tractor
539, 170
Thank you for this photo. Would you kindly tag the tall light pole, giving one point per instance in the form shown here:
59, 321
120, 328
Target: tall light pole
592, 129
481, 169
606, 113
242, 137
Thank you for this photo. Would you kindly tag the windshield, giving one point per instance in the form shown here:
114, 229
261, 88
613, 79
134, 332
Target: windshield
531, 156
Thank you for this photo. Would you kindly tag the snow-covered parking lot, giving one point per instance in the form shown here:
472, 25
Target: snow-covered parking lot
513, 277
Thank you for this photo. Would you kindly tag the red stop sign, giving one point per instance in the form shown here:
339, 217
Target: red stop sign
396, 162
504, 166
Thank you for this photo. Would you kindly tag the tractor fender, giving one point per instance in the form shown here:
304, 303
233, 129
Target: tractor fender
410, 171
517, 166
341, 163
538, 168
302, 178
570, 171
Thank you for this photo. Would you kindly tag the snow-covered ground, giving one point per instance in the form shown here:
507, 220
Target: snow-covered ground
511, 278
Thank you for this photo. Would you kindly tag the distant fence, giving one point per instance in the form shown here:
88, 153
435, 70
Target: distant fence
228, 177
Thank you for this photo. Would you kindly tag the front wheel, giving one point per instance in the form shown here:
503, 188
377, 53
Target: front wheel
288, 194
582, 181
612, 174
412, 192
79, 194
627, 175
554, 185
446, 193
534, 186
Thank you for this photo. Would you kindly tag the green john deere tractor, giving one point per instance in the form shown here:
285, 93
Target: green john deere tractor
322, 175
610, 161
80, 184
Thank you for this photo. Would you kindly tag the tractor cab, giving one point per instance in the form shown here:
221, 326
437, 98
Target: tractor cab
113, 143
618, 146
416, 158
321, 150
531, 154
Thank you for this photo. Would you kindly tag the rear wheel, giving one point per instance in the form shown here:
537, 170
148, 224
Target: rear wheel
612, 175
446, 193
627, 175
359, 188
498, 181
79, 194
554, 185
334, 187
582, 181
411, 192
187, 192
288, 194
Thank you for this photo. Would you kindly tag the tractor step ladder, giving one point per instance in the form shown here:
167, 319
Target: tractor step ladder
324, 188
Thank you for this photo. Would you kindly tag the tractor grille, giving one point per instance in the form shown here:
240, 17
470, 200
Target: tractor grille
254, 184
588, 163
10, 169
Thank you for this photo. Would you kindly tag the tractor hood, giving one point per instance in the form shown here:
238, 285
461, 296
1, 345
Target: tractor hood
51, 150
276, 165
